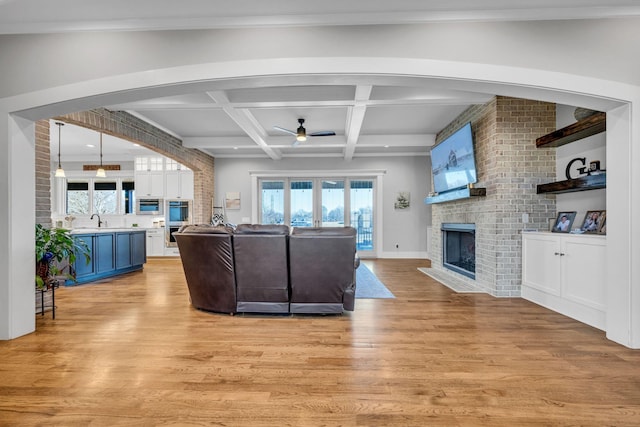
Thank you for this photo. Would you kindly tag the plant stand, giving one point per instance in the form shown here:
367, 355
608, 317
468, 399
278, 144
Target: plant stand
43, 305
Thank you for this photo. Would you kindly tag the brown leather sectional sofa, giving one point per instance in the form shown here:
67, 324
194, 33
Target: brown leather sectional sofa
269, 269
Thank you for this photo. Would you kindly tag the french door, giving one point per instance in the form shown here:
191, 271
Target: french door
321, 202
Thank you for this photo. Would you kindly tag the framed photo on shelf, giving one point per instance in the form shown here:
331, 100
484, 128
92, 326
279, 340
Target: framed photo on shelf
603, 223
593, 221
563, 222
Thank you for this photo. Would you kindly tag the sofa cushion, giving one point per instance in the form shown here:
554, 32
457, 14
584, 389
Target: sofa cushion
316, 232
271, 229
205, 229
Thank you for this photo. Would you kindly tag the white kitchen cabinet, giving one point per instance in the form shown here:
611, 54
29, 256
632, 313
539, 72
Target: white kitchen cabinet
566, 273
179, 184
149, 184
155, 242
171, 251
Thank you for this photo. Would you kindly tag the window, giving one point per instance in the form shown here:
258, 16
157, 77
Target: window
89, 196
272, 203
105, 197
78, 198
128, 199
362, 212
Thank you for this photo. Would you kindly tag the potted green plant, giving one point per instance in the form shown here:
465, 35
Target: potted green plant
53, 247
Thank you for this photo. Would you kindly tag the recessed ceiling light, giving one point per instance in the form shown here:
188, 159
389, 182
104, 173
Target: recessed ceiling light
235, 148
91, 146
386, 146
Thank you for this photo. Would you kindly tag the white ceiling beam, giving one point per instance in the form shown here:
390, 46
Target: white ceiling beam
420, 140
247, 122
355, 119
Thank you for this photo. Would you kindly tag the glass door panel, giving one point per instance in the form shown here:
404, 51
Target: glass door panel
272, 202
301, 209
332, 203
361, 207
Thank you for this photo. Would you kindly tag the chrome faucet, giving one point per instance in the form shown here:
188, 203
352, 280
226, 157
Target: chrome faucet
99, 220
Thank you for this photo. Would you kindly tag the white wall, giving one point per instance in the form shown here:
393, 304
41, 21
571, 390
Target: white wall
406, 227
593, 148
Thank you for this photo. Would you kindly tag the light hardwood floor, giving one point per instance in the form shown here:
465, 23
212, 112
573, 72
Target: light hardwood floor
132, 351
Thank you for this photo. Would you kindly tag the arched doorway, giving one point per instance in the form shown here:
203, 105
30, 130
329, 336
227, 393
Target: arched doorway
18, 114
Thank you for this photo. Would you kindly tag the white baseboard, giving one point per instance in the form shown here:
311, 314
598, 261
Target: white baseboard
410, 255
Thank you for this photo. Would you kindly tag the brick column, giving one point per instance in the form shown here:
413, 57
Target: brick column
43, 174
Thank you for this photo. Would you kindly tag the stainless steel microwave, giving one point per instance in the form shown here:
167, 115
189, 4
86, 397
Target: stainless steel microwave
148, 206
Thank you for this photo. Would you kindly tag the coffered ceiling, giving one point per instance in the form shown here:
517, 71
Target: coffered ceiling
367, 119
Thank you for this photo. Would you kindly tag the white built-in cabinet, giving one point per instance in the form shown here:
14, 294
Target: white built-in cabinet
160, 177
149, 184
149, 176
155, 242
178, 184
566, 273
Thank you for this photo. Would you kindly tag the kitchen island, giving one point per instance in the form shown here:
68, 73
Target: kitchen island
113, 251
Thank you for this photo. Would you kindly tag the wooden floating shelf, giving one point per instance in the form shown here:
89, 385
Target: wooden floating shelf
463, 193
588, 126
583, 183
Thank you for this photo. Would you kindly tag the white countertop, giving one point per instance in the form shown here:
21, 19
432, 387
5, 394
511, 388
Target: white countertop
93, 230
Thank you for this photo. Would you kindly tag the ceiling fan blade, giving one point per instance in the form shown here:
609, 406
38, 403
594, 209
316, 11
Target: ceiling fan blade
322, 133
295, 143
290, 132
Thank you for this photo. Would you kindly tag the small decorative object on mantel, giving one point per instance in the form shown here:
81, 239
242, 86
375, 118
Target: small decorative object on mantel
582, 113
563, 222
403, 200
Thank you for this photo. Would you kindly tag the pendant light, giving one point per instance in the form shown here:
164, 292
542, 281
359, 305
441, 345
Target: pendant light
100, 173
59, 171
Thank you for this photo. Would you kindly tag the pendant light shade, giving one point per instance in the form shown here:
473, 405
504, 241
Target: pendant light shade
100, 173
59, 171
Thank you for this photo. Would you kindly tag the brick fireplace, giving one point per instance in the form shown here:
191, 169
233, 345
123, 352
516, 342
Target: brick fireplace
509, 167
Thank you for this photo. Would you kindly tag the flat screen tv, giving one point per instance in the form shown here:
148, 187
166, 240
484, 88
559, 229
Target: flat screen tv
453, 163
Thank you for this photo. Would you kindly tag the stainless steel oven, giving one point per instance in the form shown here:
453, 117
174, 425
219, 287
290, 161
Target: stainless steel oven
170, 241
177, 214
146, 206
178, 211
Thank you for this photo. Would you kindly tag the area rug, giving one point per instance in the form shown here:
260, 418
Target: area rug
368, 285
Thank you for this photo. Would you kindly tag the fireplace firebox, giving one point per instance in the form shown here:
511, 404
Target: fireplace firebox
459, 248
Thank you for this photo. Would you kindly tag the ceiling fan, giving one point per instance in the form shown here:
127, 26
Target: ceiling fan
301, 133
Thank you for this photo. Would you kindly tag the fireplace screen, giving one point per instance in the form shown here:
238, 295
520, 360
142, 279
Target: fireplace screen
459, 248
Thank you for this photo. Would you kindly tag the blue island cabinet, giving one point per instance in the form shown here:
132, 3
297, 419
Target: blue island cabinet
112, 253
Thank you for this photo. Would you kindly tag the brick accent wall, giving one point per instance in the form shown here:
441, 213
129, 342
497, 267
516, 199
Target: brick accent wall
128, 127
509, 167
43, 174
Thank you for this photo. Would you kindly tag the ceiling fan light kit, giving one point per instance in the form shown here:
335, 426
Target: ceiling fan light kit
301, 132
